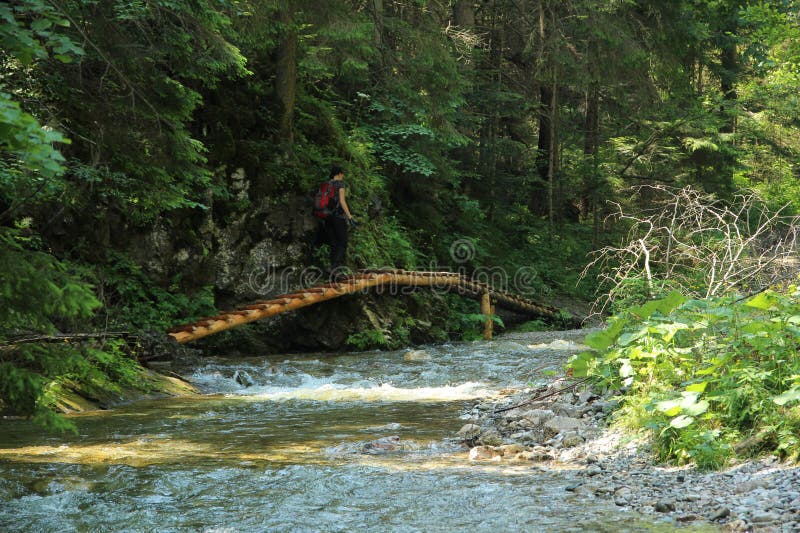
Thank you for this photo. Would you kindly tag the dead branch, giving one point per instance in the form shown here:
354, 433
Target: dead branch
12, 344
698, 244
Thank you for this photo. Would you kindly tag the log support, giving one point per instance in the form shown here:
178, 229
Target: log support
487, 309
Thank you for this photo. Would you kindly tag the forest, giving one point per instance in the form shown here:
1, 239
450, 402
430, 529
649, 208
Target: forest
640, 154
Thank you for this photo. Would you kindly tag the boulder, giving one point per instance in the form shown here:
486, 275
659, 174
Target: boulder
485, 453
382, 445
565, 409
587, 396
538, 453
571, 439
491, 437
556, 425
665, 506
537, 417
417, 355
512, 449
469, 432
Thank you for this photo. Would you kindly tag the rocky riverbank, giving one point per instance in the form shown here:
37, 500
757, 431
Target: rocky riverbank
556, 426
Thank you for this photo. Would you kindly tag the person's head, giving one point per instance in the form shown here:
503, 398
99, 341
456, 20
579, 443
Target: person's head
336, 172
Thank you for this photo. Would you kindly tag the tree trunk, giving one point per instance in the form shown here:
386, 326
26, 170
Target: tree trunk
464, 14
286, 74
591, 141
377, 15
729, 62
491, 123
543, 146
552, 152
730, 67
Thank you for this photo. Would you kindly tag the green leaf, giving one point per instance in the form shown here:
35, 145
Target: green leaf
681, 421
580, 363
669, 407
40, 24
668, 331
765, 300
600, 340
664, 305
627, 338
697, 409
671, 302
626, 370
791, 395
697, 387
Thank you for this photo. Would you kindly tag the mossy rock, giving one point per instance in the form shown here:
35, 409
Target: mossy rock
73, 397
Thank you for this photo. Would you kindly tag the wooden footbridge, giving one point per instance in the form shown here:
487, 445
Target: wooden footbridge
361, 281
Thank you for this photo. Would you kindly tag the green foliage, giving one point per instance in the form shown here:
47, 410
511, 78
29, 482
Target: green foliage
135, 301
436, 125
367, 339
708, 379
531, 326
465, 320
36, 289
40, 295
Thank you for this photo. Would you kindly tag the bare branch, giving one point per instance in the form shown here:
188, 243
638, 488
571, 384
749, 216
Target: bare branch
698, 244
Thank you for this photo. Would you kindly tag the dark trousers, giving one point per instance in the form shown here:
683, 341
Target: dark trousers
335, 230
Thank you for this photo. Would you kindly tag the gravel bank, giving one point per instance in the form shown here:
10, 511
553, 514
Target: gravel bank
567, 429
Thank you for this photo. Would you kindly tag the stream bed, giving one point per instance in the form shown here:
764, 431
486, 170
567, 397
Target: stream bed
303, 443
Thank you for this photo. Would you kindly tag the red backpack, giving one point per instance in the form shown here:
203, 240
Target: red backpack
324, 200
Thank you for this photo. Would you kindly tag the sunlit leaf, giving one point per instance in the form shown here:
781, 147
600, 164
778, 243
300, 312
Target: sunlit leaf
791, 395
681, 421
765, 300
697, 387
626, 370
697, 408
669, 407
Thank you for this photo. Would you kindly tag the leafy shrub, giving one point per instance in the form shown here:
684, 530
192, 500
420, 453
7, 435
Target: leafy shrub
364, 340
136, 301
38, 296
708, 379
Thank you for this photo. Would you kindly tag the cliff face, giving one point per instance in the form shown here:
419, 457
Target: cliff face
247, 248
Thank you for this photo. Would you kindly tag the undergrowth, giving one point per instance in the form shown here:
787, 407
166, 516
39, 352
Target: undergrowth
709, 380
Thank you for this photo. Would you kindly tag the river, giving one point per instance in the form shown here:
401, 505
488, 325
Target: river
296, 443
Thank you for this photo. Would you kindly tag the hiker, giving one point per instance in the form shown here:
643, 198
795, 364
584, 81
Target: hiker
330, 206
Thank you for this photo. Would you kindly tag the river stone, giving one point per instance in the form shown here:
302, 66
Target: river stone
761, 518
537, 417
750, 485
512, 449
382, 445
417, 355
558, 424
469, 431
571, 439
665, 506
720, 513
594, 470
484, 453
538, 453
523, 436
491, 437
737, 526
586, 396
565, 409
